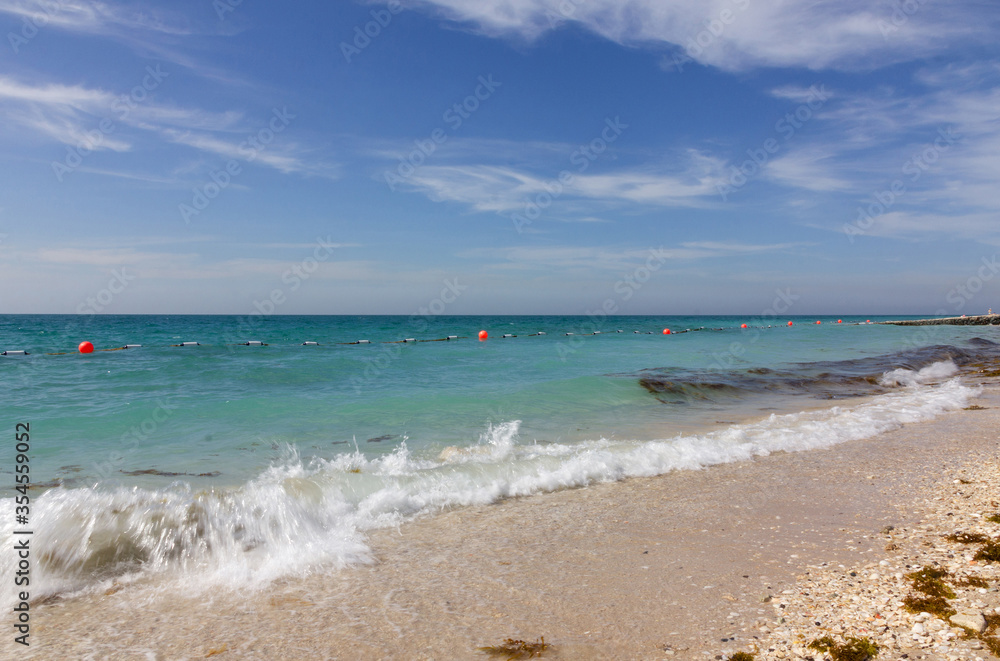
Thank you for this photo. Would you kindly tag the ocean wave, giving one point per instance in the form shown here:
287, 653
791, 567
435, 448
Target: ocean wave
302, 514
821, 380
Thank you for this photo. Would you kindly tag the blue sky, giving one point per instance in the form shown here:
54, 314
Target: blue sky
516, 157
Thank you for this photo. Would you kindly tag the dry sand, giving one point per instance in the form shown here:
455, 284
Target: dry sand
668, 567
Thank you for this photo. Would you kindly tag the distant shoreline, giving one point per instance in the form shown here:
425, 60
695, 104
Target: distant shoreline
974, 320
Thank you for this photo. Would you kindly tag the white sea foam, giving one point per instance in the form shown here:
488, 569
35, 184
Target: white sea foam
300, 515
930, 374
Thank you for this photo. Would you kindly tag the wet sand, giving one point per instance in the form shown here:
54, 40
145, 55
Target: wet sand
667, 567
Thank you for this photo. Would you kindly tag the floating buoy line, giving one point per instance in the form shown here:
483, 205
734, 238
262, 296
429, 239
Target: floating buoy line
87, 347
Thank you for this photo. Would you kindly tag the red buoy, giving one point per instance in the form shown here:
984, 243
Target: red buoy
789, 323
840, 321
819, 322
86, 347
483, 335
743, 326
666, 331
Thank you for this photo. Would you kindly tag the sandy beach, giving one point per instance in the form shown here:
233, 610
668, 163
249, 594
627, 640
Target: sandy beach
482, 330
677, 566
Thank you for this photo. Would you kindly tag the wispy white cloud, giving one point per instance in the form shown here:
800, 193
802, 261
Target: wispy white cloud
183, 276
297, 246
62, 112
689, 187
937, 135
69, 96
484, 187
915, 225
111, 257
936, 144
807, 169
504, 189
234, 150
73, 115
175, 266
465, 149
134, 176
91, 17
66, 128
801, 94
600, 258
739, 34
151, 116
68, 113
150, 29
721, 248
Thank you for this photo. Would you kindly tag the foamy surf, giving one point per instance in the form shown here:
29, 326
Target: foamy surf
929, 374
302, 515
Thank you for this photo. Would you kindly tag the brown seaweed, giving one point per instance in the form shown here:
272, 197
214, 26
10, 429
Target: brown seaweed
852, 649
517, 649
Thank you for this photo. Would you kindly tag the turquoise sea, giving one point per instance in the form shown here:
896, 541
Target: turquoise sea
242, 463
